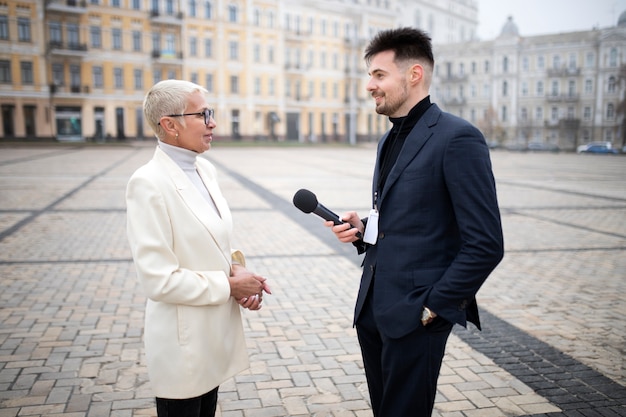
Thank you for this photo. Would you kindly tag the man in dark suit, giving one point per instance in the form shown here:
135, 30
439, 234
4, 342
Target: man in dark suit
432, 237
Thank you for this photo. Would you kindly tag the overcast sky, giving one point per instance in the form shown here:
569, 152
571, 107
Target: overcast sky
540, 17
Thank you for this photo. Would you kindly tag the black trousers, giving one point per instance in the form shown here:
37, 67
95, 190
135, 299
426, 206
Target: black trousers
202, 406
402, 373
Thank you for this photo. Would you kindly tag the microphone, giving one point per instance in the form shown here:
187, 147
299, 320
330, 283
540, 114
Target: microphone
306, 201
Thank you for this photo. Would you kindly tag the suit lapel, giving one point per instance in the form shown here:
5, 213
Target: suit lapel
414, 142
194, 200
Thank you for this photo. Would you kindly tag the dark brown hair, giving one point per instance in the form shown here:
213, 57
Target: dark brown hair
407, 43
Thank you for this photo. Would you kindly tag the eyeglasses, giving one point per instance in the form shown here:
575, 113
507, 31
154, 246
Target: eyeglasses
207, 113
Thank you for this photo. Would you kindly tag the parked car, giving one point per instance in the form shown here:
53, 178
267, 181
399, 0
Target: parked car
603, 147
540, 146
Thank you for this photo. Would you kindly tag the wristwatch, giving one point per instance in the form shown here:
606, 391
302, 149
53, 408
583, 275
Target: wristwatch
427, 316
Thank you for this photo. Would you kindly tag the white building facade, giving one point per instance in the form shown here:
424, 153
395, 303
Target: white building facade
551, 91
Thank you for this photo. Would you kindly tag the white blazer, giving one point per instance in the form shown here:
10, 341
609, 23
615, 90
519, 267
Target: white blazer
182, 251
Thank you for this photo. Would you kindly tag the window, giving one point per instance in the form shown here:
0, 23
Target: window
208, 48
157, 75
5, 71
233, 50
525, 64
555, 114
541, 62
156, 42
524, 88
4, 27
136, 4
271, 88
256, 52
97, 77
118, 78
613, 57
590, 59
138, 79
257, 85
96, 36
57, 74
136, 41
486, 67
192, 8
524, 114
23, 29
257, 17
587, 113
26, 71
504, 113
74, 76
571, 113
612, 84
208, 82
473, 67
572, 61
588, 86
232, 13
234, 84
169, 7
73, 37
556, 61
539, 88
193, 46
554, 91
116, 38
505, 88
208, 10
571, 88
115, 3
539, 114
56, 35
610, 111
194, 77
505, 64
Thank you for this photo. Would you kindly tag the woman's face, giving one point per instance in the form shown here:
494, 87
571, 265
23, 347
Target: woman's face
196, 135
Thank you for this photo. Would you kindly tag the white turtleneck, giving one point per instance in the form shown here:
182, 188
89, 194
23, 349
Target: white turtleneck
186, 160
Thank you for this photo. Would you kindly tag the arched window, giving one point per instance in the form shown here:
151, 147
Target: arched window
208, 10
610, 111
232, 13
612, 84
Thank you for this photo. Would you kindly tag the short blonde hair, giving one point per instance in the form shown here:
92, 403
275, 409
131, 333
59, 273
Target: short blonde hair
168, 97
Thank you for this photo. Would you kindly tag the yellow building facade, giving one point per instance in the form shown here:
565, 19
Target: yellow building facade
76, 70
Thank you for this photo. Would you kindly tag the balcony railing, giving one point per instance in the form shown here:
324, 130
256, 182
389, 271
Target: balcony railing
67, 6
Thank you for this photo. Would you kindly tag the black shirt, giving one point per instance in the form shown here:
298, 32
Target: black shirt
402, 126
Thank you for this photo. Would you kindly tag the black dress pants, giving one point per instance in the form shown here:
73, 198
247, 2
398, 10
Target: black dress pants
202, 406
402, 373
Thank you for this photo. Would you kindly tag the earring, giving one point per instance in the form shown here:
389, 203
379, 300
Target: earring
176, 136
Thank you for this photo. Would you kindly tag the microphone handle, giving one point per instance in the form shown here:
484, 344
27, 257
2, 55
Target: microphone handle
326, 214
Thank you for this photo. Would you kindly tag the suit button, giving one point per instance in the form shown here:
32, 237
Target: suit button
381, 235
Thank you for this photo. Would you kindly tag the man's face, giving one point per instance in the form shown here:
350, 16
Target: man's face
388, 85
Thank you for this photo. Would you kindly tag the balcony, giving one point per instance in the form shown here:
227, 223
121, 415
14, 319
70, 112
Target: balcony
454, 101
557, 98
454, 78
564, 72
167, 57
67, 6
67, 49
173, 18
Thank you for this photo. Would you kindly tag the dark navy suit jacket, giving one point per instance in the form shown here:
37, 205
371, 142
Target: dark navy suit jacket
440, 234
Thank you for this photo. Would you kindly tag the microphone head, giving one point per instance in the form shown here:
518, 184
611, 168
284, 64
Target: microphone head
305, 200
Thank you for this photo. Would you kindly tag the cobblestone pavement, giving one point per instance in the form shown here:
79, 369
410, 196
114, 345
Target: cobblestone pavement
71, 312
